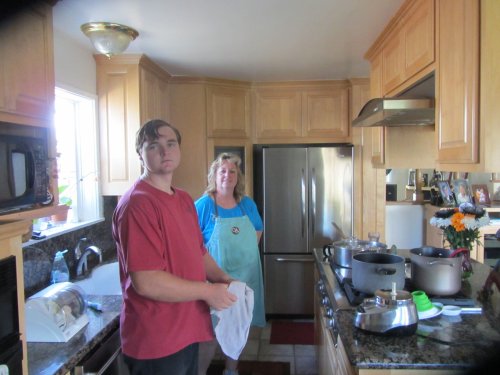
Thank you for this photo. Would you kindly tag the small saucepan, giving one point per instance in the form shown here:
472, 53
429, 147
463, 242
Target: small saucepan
344, 250
373, 271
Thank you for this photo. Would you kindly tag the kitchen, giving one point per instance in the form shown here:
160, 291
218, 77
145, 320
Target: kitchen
395, 152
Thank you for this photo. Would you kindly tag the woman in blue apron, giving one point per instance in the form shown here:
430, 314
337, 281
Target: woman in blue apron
231, 227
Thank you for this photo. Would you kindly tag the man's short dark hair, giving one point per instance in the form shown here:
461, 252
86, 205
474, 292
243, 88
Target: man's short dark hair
149, 132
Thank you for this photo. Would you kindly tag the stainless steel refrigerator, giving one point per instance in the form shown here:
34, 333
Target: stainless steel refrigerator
300, 192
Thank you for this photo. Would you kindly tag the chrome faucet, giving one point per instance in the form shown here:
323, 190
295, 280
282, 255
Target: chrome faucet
81, 267
78, 251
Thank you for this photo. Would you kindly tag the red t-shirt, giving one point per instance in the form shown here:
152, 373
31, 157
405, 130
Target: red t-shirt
157, 231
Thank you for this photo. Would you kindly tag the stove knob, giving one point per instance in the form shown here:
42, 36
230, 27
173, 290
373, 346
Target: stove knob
321, 286
330, 323
329, 312
325, 301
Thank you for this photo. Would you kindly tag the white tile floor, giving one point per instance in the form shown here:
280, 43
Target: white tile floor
302, 358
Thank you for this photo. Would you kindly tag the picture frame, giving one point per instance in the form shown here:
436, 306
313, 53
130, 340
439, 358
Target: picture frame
446, 193
495, 195
481, 194
462, 192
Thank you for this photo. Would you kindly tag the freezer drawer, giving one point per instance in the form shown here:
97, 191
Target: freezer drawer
289, 284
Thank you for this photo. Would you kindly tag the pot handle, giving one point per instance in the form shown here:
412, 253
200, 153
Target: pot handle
437, 262
327, 250
385, 271
458, 251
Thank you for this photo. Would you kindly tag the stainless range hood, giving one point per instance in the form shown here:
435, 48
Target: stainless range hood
396, 112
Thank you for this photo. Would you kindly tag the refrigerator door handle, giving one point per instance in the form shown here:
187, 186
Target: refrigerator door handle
313, 201
303, 202
294, 260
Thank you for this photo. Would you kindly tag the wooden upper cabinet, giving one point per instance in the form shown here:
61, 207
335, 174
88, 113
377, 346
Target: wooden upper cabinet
131, 90
468, 83
458, 81
490, 86
295, 111
419, 37
228, 111
154, 94
27, 67
278, 113
407, 46
325, 113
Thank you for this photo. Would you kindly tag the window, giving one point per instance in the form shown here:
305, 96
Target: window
77, 151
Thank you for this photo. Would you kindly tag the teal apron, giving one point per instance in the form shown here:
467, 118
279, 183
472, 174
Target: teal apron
233, 245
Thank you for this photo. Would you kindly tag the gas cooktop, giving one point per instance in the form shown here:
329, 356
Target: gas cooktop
355, 297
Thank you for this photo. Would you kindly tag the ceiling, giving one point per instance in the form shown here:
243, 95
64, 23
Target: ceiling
251, 40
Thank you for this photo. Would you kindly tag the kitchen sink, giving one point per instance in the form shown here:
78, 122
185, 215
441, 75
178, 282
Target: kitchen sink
104, 280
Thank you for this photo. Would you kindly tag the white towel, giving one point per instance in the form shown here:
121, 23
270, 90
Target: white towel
234, 322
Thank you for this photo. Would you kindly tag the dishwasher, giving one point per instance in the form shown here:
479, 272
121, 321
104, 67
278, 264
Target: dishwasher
105, 359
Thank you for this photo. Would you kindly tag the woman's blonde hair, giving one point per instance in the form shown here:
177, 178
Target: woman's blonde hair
239, 189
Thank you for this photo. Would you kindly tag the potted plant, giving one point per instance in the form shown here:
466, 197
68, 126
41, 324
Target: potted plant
64, 199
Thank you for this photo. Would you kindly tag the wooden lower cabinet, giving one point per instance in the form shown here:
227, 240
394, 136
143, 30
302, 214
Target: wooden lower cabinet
331, 355
10, 244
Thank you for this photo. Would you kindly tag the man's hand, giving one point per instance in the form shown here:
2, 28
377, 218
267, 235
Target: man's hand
219, 297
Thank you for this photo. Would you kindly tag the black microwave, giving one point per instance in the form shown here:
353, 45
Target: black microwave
24, 181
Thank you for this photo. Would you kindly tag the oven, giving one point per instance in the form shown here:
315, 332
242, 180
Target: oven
11, 351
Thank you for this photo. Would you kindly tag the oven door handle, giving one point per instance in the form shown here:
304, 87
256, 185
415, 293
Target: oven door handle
295, 260
80, 370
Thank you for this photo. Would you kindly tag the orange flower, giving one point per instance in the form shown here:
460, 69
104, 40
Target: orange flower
456, 221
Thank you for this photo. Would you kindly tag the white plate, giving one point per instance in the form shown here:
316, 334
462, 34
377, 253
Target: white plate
431, 313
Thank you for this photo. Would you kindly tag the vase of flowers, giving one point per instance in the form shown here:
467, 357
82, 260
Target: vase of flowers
460, 227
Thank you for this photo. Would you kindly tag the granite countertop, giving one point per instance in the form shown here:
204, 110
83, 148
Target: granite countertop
442, 342
59, 358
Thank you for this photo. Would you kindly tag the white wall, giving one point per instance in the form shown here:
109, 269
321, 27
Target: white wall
74, 64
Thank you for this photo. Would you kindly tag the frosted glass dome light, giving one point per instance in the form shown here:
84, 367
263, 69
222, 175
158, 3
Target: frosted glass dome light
109, 38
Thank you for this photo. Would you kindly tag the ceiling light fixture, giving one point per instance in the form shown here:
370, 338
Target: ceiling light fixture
109, 38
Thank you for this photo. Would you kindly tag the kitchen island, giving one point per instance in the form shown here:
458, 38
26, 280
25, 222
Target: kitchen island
49, 358
442, 344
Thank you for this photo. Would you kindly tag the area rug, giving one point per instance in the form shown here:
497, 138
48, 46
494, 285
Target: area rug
252, 368
292, 333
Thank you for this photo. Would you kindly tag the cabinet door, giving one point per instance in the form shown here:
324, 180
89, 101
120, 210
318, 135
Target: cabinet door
278, 113
457, 81
343, 364
325, 113
419, 37
118, 91
27, 73
154, 97
228, 112
393, 56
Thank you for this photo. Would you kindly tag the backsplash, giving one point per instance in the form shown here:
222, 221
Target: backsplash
38, 258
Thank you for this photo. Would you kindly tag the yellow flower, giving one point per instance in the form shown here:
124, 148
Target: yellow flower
456, 221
